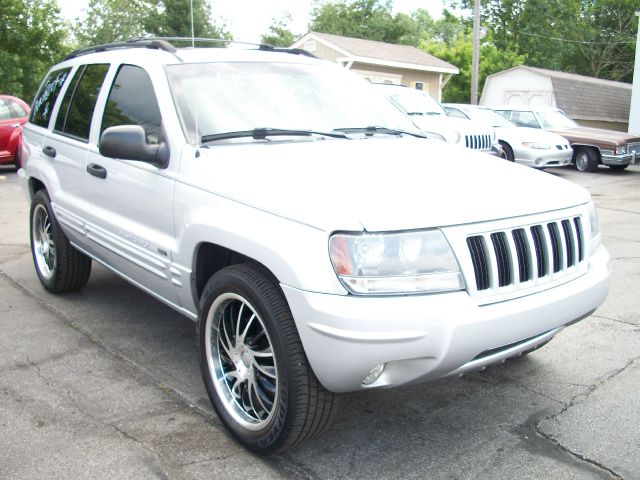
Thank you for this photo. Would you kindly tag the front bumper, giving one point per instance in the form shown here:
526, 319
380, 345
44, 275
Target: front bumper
624, 159
539, 158
424, 337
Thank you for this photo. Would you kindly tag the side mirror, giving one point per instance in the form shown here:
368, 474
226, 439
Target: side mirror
129, 142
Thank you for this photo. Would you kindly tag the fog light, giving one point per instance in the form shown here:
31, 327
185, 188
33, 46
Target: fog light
539, 161
374, 374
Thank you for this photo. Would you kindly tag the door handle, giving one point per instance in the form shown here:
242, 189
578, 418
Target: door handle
15, 125
97, 170
49, 151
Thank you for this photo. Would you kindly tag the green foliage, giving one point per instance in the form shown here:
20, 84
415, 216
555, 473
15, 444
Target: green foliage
459, 53
588, 37
109, 21
171, 18
368, 19
32, 36
279, 34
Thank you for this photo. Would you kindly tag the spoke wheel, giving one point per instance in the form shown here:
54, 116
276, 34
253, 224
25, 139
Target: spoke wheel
60, 267
241, 356
253, 364
586, 160
44, 246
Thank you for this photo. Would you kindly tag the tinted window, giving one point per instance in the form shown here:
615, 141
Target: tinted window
16, 109
5, 112
132, 101
46, 97
76, 111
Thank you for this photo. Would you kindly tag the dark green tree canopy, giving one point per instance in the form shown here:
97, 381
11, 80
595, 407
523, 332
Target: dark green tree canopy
368, 19
32, 38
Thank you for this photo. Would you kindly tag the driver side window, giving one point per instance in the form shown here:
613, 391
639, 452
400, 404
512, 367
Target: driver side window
132, 101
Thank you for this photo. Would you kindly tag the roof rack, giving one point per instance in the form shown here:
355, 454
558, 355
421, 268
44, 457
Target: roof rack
164, 43
153, 43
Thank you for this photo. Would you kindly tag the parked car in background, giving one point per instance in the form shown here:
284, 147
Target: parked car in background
529, 146
591, 146
428, 115
13, 115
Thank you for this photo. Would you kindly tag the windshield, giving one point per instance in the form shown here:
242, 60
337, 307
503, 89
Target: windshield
555, 119
216, 98
413, 102
488, 116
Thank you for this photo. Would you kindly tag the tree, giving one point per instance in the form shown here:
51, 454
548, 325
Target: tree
171, 18
109, 21
32, 36
459, 53
279, 34
368, 19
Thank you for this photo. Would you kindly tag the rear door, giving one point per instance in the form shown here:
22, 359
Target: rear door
66, 147
6, 129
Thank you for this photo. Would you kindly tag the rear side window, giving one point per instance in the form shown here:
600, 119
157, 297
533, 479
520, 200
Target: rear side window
5, 112
76, 110
46, 97
16, 109
132, 101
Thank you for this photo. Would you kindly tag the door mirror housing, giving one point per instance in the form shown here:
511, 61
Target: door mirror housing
129, 142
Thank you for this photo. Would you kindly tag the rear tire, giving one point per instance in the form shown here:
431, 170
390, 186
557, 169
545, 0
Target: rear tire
60, 267
586, 160
253, 364
17, 160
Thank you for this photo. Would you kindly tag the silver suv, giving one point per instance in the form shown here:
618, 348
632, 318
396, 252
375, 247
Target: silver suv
292, 213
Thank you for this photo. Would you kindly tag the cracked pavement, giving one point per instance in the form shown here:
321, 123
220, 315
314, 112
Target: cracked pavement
104, 383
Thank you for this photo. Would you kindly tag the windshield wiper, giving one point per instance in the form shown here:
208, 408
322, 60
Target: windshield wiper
423, 113
263, 133
373, 130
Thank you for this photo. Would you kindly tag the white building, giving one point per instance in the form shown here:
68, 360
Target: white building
592, 102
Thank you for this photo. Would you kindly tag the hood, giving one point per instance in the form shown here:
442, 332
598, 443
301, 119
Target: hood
596, 136
376, 184
517, 135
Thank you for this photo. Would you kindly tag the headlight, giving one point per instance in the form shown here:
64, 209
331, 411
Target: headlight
536, 145
594, 225
397, 263
621, 149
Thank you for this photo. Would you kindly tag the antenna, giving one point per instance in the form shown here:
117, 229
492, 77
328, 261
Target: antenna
193, 33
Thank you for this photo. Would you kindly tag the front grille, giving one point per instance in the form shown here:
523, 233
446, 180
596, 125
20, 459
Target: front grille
633, 147
478, 142
524, 256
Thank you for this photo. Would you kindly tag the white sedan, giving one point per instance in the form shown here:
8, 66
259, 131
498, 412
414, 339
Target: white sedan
529, 146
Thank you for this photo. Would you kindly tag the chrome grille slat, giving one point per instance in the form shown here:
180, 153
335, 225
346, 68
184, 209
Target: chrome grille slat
522, 257
477, 142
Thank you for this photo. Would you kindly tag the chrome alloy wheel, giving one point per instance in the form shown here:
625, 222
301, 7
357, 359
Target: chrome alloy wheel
241, 360
44, 248
582, 161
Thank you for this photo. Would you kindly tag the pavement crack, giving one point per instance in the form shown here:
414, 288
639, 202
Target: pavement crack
576, 455
617, 320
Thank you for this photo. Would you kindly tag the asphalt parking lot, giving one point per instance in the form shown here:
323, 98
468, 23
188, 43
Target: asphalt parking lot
104, 383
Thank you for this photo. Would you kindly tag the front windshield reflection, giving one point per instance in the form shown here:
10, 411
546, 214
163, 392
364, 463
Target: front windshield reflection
216, 98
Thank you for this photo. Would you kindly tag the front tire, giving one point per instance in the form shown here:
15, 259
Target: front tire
618, 168
586, 160
253, 364
508, 152
60, 267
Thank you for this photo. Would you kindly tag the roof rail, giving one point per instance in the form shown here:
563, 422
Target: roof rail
164, 43
153, 43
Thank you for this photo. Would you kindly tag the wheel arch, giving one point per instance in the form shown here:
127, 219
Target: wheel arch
578, 146
209, 258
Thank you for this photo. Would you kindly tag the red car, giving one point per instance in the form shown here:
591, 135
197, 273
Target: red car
13, 115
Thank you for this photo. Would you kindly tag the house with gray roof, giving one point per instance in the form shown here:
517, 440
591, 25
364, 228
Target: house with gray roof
591, 102
381, 62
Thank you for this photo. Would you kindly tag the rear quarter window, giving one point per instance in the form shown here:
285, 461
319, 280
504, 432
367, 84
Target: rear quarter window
46, 97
